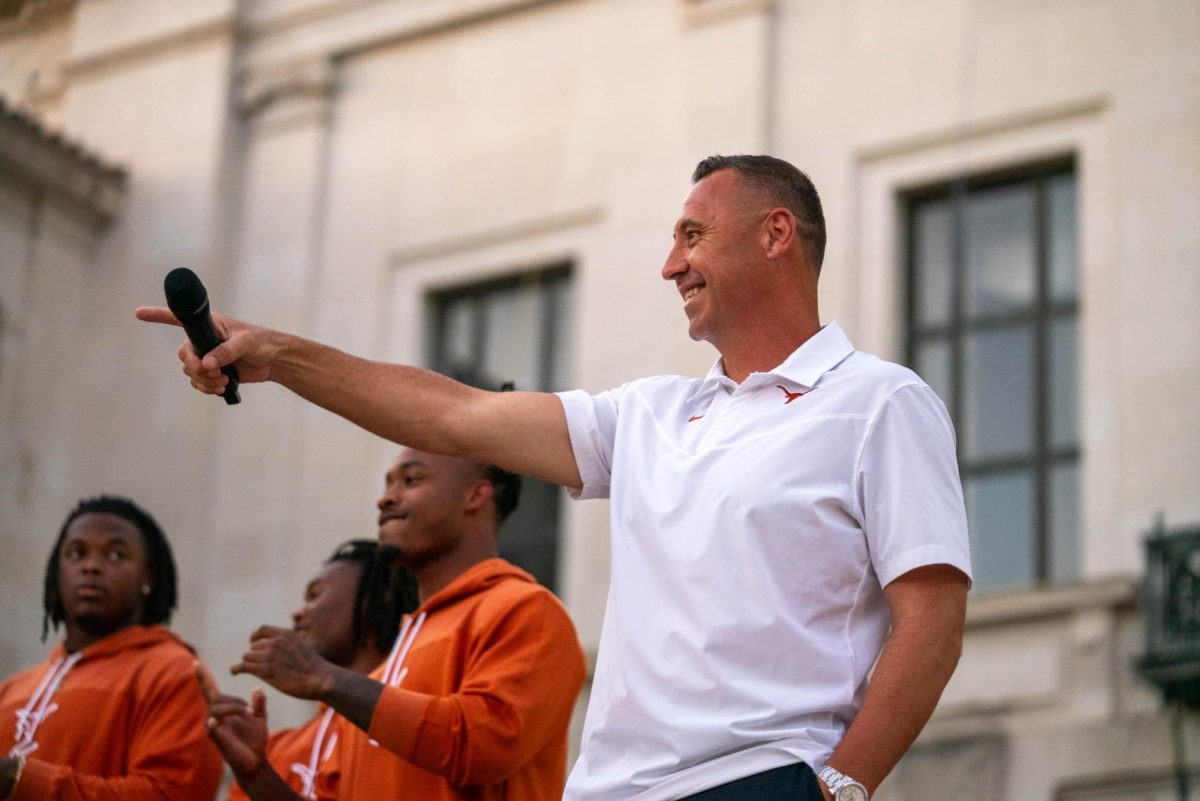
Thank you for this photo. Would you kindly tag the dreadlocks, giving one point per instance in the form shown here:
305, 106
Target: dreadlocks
159, 604
385, 592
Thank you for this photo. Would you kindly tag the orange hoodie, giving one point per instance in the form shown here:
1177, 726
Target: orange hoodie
480, 688
297, 754
121, 719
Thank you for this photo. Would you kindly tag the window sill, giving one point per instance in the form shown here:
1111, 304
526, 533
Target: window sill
1010, 606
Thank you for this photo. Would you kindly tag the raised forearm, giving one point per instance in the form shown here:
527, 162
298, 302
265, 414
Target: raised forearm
8, 774
353, 695
264, 784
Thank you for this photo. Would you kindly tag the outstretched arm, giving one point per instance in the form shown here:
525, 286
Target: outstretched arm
525, 432
928, 608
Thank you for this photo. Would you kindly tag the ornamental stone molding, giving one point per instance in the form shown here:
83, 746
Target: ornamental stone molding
269, 84
21, 14
51, 161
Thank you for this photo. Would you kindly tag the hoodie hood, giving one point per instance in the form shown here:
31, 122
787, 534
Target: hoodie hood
130, 639
478, 578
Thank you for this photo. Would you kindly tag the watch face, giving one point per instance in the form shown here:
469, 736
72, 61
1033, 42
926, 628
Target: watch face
854, 792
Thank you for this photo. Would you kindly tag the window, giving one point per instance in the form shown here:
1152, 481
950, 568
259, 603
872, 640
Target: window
993, 307
513, 329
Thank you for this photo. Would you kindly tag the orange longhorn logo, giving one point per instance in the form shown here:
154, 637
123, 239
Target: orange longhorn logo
790, 396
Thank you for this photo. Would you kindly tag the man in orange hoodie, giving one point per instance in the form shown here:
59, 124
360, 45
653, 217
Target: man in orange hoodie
114, 712
350, 616
475, 698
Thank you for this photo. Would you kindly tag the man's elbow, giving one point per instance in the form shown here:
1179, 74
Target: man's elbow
951, 652
947, 647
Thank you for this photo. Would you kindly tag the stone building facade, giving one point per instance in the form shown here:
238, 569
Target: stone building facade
1013, 197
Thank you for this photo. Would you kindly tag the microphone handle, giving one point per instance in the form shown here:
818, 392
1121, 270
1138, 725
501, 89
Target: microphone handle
204, 337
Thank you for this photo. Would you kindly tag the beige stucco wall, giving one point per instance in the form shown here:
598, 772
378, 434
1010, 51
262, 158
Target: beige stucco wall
324, 163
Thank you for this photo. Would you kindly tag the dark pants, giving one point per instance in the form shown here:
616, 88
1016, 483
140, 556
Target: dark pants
789, 783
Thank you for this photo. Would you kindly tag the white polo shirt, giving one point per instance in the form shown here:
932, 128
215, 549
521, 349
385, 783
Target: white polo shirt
753, 528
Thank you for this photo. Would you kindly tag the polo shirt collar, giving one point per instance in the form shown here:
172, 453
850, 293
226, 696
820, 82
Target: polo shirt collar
822, 352
819, 354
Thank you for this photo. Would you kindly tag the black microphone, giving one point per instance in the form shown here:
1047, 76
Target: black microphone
188, 301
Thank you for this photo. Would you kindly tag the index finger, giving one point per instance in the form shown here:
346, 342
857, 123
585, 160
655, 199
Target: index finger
262, 632
155, 314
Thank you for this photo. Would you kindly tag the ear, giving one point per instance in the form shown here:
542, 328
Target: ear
779, 231
478, 495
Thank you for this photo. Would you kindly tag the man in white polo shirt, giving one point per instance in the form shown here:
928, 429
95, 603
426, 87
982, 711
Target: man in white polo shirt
770, 522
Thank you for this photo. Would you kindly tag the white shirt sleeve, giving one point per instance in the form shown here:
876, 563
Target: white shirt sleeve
592, 423
908, 486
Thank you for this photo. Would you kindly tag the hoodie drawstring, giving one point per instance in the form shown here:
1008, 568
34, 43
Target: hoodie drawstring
309, 772
394, 670
39, 706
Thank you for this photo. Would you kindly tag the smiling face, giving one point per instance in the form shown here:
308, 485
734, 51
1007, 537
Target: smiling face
103, 576
716, 261
326, 619
422, 506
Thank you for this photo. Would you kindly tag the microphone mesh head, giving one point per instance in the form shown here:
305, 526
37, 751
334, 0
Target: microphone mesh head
185, 294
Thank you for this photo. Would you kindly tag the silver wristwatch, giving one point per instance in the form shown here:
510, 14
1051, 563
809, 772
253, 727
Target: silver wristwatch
843, 787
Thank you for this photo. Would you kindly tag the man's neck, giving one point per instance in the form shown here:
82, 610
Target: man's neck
435, 576
365, 660
79, 637
761, 348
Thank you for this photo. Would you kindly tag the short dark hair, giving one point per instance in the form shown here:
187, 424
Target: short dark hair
506, 490
783, 184
160, 563
506, 486
385, 593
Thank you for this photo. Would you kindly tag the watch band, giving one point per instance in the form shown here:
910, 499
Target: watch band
837, 781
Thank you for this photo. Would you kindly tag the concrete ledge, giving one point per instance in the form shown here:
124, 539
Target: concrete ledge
700, 13
1012, 607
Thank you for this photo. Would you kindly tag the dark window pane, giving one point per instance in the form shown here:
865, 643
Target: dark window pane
998, 399
1062, 228
1064, 380
511, 337
561, 302
529, 539
933, 246
457, 332
1064, 522
1000, 250
496, 332
1000, 513
1022, 492
933, 365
